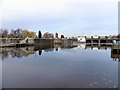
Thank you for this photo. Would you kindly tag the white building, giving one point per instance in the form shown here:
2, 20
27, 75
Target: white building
81, 39
95, 36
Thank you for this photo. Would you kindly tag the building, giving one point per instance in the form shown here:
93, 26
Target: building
81, 39
95, 36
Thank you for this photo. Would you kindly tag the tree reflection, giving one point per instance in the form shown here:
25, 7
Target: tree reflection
4, 54
40, 52
16, 52
27, 51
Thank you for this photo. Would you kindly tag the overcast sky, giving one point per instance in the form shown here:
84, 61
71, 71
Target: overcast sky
68, 17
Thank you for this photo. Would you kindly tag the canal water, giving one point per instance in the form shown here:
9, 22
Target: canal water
59, 67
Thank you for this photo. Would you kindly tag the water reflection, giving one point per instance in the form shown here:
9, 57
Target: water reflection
26, 51
16, 52
60, 66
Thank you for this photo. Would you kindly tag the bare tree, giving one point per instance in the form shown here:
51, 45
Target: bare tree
4, 33
48, 35
1, 33
16, 33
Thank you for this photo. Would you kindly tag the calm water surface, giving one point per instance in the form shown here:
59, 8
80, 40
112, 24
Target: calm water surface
73, 67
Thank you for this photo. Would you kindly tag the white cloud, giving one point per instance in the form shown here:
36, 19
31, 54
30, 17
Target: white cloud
61, 15
0, 13
13, 8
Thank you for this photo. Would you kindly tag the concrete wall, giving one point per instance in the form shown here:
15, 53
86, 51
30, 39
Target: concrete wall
43, 43
8, 40
57, 41
68, 42
15, 40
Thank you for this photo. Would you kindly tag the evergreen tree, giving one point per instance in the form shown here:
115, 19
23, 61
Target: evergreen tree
62, 36
40, 34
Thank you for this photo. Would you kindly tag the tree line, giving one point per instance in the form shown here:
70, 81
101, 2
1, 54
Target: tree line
18, 33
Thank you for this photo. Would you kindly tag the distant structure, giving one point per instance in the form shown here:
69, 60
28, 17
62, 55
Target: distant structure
95, 36
56, 35
81, 39
40, 34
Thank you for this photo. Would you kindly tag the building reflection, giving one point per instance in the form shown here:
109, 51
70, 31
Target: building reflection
115, 50
26, 51
115, 53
